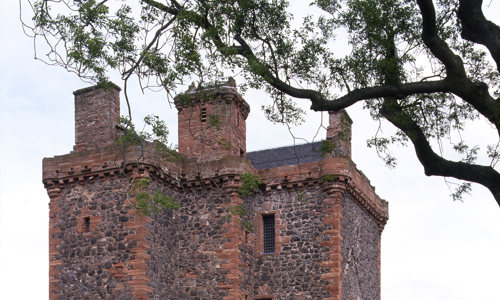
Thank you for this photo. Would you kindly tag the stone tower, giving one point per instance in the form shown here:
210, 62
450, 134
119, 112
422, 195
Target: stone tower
212, 122
310, 229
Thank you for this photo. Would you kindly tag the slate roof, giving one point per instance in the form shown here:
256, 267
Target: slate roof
285, 156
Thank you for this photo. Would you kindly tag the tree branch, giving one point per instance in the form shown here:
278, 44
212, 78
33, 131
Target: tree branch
435, 165
477, 29
400, 91
473, 93
453, 63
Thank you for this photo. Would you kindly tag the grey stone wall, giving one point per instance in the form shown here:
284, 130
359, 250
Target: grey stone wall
296, 271
185, 245
86, 259
360, 252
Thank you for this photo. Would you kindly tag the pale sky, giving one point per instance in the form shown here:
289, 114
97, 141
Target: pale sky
432, 247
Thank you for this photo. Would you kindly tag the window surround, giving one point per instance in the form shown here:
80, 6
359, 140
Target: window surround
259, 221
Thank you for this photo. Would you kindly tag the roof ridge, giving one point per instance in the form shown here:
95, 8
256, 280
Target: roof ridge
289, 146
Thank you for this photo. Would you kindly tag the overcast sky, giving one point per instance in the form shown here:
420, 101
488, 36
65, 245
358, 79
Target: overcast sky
432, 247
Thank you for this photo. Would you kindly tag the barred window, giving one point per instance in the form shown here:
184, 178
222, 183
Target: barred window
268, 231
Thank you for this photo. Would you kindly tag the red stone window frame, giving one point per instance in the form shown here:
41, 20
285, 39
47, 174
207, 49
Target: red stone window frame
260, 233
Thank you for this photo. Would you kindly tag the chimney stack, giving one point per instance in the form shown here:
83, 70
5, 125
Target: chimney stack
97, 110
339, 133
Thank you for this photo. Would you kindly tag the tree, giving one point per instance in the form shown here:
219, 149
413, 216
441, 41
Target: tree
426, 67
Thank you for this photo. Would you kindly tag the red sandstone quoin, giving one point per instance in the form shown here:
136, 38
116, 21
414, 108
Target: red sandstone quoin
316, 220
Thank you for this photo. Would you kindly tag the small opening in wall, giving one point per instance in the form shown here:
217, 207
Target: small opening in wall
238, 119
203, 114
242, 153
86, 224
268, 233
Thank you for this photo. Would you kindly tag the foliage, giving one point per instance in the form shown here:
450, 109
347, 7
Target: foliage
249, 184
326, 147
416, 64
241, 213
158, 135
214, 121
224, 143
147, 203
301, 196
328, 178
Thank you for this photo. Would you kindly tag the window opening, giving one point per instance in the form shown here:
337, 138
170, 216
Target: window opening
203, 114
268, 226
86, 224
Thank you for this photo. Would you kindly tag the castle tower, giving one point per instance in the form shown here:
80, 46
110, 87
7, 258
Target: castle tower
211, 122
308, 225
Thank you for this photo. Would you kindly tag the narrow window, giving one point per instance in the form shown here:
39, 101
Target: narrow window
86, 224
268, 226
238, 119
242, 153
203, 114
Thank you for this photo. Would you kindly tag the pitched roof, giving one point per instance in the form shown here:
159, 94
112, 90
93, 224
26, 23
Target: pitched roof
285, 156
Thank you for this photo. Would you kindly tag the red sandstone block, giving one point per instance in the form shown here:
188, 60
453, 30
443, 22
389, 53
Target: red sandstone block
54, 263
337, 239
224, 285
230, 266
140, 265
138, 282
228, 254
326, 243
326, 264
332, 231
330, 220
137, 273
328, 276
283, 239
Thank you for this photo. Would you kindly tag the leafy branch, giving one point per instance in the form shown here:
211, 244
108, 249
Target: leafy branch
147, 203
250, 183
241, 213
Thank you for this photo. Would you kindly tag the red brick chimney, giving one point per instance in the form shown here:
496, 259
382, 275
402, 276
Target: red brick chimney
97, 110
211, 122
339, 133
